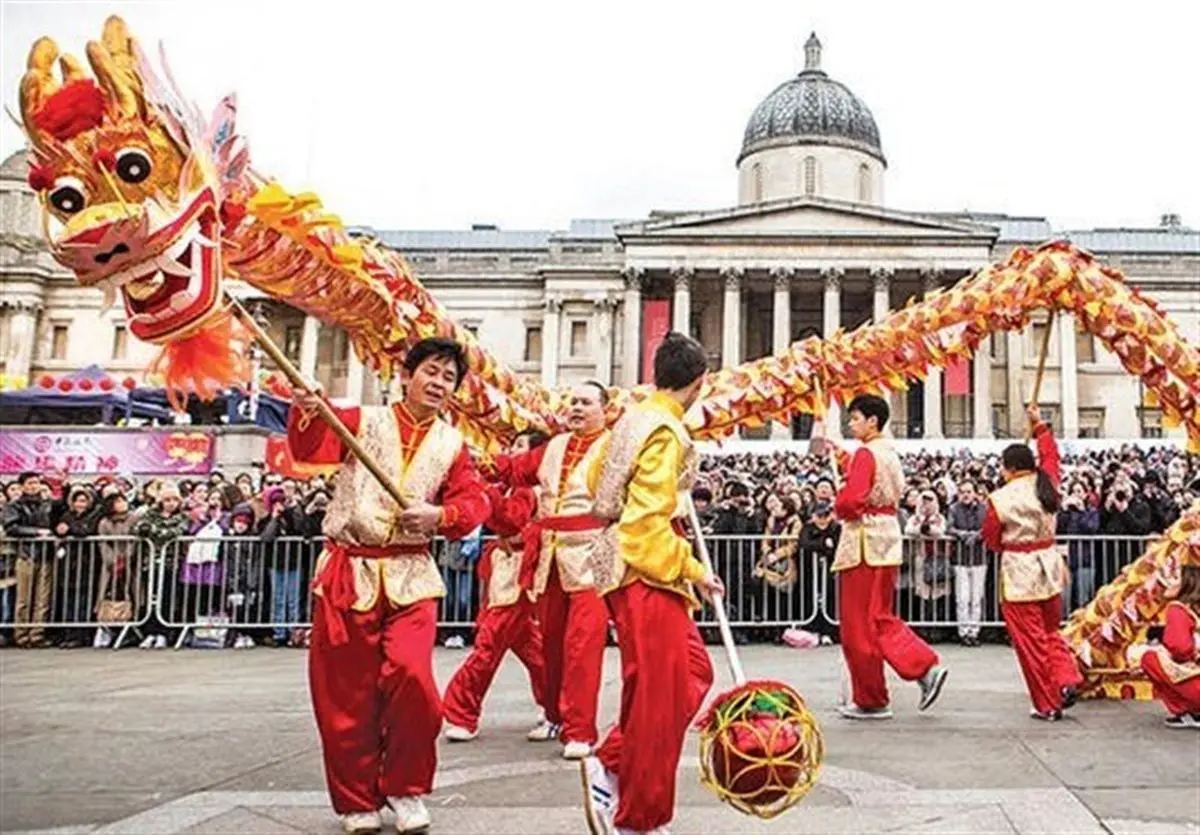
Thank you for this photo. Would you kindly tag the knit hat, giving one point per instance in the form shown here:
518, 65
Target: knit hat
242, 511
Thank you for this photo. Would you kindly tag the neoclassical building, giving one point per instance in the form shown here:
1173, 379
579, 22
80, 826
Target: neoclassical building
808, 246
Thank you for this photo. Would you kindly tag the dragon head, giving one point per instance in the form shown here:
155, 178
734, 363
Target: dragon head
129, 190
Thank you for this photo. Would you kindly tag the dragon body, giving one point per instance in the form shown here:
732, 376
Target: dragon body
144, 196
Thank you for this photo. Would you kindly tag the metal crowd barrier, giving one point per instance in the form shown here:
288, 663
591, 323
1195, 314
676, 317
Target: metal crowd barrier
209, 591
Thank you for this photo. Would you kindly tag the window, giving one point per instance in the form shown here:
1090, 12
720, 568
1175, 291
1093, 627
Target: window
864, 183
810, 175
472, 328
1000, 347
579, 339
1085, 347
756, 182
1151, 420
533, 343
291, 342
1000, 428
120, 342
1050, 415
58, 342
341, 350
1037, 335
1091, 423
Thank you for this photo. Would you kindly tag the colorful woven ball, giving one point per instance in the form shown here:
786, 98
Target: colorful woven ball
760, 748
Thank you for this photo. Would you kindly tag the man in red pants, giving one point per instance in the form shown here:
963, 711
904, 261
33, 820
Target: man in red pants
506, 614
377, 587
866, 561
1020, 525
644, 565
572, 615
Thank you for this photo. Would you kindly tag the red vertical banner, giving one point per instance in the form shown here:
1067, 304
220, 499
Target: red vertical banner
958, 376
656, 323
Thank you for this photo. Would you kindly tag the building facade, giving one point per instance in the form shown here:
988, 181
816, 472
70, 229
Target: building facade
809, 246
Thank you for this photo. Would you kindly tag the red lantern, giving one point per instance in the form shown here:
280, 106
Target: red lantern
86, 385
46, 381
65, 385
759, 758
106, 384
129, 383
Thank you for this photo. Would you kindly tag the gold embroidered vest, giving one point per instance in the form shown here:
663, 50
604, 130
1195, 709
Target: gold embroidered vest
629, 435
362, 513
1027, 576
504, 584
572, 550
875, 538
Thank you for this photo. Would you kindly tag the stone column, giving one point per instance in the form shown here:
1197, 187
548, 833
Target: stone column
781, 329
631, 320
731, 317
881, 282
22, 334
1069, 375
981, 418
932, 422
1016, 390
308, 347
681, 310
602, 328
831, 321
551, 319
354, 377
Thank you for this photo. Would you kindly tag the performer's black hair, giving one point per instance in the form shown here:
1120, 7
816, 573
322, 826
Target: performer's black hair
600, 387
871, 406
1019, 458
678, 362
438, 347
536, 437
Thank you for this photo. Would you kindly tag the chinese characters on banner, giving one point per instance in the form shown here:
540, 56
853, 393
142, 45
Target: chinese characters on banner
143, 452
656, 322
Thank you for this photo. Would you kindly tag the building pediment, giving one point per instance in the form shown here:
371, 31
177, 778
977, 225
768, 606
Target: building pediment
803, 217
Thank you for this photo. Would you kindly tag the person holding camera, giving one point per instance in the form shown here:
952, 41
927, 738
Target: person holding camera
1020, 525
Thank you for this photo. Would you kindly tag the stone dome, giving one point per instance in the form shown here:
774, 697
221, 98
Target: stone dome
812, 109
15, 166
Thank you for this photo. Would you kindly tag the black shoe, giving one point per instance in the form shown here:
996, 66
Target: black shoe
1052, 716
1069, 697
1183, 720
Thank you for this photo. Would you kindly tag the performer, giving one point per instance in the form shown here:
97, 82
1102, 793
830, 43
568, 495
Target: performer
645, 567
377, 587
573, 618
506, 613
1019, 524
1174, 666
868, 555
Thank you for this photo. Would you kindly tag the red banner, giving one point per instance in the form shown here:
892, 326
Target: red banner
958, 376
280, 460
656, 322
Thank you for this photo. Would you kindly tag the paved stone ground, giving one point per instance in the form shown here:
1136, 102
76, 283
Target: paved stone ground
223, 742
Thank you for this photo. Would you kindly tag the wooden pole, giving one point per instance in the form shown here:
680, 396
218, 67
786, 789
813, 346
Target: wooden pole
1041, 372
718, 602
327, 414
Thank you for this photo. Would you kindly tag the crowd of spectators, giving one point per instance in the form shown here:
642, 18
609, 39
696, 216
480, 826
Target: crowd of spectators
247, 552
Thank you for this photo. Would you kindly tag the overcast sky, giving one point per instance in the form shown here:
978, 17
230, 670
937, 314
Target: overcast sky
440, 114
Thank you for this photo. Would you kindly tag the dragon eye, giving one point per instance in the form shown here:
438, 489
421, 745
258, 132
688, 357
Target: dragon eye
133, 165
68, 195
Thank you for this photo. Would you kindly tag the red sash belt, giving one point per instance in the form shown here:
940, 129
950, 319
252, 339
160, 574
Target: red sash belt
1027, 547
336, 580
878, 510
572, 524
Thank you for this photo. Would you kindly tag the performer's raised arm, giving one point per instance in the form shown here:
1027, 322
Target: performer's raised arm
309, 437
465, 504
519, 470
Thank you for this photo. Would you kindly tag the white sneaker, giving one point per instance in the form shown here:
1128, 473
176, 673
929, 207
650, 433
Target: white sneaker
544, 732
359, 823
411, 814
103, 639
576, 750
243, 642
454, 733
600, 797
455, 642
147, 642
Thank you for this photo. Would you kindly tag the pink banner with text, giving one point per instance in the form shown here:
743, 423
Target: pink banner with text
144, 452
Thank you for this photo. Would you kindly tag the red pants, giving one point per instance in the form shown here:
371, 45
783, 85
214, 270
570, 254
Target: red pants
574, 629
871, 633
1046, 661
665, 675
376, 703
1178, 697
497, 630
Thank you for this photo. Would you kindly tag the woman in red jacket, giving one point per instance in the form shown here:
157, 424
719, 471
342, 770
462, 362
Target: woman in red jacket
1019, 525
1174, 667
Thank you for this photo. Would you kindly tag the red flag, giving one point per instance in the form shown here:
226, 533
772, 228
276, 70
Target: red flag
958, 376
656, 322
